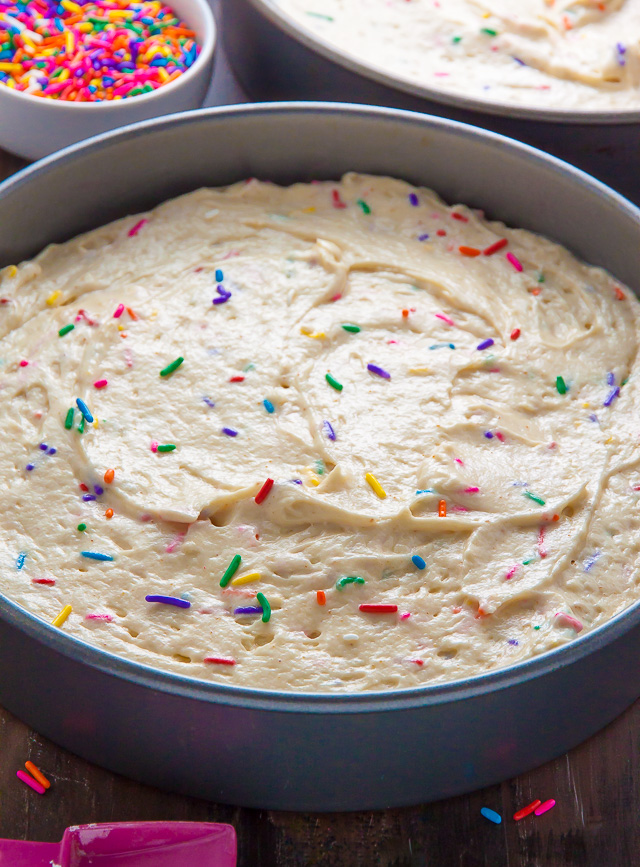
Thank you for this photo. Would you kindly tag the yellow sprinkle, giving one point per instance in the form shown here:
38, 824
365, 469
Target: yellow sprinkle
95, 422
12, 270
66, 611
64, 75
10, 67
585, 405
69, 43
314, 482
420, 371
375, 485
70, 7
319, 335
120, 327
308, 210
51, 300
246, 579
609, 440
163, 75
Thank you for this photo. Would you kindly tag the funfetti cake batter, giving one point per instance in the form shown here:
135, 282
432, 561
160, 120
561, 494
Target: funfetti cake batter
579, 55
333, 437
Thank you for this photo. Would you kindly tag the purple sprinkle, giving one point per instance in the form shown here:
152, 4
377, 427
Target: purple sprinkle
328, 429
488, 435
87, 498
170, 600
486, 343
588, 566
513, 642
379, 371
611, 379
414, 200
250, 610
52, 451
224, 295
208, 402
221, 290
423, 237
229, 431
99, 491
43, 446
30, 467
521, 62
297, 481
593, 417
612, 396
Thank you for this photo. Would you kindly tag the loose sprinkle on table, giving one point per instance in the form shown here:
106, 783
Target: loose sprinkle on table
379, 371
34, 784
263, 493
94, 555
169, 600
491, 815
333, 382
37, 774
526, 811
266, 608
375, 485
171, 367
545, 807
231, 570
418, 562
60, 619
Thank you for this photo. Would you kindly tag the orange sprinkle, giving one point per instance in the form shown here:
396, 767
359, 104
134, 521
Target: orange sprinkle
469, 251
37, 775
442, 509
535, 291
619, 293
109, 513
321, 596
556, 518
132, 314
109, 475
405, 313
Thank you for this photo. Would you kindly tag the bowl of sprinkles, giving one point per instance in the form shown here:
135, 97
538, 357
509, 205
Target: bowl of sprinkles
71, 70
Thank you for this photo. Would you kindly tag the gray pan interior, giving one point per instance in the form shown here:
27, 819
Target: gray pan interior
277, 750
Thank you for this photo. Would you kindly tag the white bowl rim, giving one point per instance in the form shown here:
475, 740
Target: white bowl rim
280, 18
206, 52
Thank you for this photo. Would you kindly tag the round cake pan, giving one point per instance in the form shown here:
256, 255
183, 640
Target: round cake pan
275, 58
289, 751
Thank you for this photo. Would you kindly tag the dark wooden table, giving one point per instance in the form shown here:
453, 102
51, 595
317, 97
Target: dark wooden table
596, 822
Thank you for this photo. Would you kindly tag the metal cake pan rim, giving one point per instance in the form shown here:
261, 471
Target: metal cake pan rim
190, 686
287, 24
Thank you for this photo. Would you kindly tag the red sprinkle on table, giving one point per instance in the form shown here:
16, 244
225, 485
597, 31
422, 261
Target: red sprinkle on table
526, 811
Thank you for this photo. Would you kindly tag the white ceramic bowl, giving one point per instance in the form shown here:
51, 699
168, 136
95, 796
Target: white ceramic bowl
33, 127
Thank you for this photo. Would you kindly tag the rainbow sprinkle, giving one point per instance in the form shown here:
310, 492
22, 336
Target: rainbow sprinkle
92, 52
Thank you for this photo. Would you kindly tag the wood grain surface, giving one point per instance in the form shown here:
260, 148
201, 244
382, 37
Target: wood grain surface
596, 822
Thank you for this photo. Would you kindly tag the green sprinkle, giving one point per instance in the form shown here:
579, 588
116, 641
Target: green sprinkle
348, 579
624, 381
82, 527
533, 497
536, 627
169, 447
526, 562
320, 15
320, 467
353, 329
251, 365
456, 39
171, 367
68, 422
489, 31
231, 570
81, 425
333, 382
365, 207
541, 277
66, 330
561, 385
266, 608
